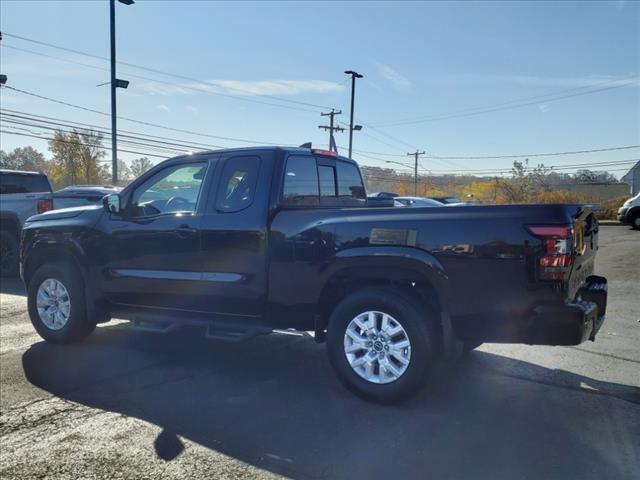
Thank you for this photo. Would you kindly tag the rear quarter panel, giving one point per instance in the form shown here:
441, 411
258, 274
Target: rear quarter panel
483, 255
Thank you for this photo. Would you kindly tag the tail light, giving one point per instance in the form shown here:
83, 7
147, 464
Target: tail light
44, 205
556, 259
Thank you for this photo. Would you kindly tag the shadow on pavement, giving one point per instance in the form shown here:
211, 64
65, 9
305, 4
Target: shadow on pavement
12, 286
273, 402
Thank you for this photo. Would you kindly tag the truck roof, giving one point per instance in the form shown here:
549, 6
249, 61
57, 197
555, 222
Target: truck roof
20, 172
267, 148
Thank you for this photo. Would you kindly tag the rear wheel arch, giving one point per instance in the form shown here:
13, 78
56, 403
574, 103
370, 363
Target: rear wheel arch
410, 277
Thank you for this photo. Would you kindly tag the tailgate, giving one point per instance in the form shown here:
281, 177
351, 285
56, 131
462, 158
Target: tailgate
585, 244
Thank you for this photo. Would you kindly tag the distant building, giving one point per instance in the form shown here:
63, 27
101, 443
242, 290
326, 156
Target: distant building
633, 179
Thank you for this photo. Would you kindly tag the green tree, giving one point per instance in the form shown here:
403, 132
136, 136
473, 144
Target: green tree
77, 157
24, 158
139, 166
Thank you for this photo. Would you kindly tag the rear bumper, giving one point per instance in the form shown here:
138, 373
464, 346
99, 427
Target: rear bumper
572, 323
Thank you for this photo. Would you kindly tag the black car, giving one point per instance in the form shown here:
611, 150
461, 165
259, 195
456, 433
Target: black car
241, 242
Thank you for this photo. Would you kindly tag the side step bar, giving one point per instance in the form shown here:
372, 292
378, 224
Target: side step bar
222, 329
216, 332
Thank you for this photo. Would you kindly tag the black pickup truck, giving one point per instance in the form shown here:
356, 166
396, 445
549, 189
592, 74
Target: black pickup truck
246, 241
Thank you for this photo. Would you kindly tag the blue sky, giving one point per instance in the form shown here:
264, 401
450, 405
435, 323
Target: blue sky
420, 61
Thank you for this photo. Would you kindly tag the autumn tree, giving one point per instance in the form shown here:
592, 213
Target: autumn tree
76, 158
524, 182
139, 166
24, 158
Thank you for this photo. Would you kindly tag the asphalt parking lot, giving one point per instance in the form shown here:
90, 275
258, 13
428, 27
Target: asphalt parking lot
127, 404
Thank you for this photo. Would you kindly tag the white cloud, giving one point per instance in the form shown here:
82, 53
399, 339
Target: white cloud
191, 108
544, 107
630, 79
397, 80
245, 88
163, 107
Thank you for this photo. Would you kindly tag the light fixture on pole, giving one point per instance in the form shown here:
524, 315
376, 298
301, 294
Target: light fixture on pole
115, 83
354, 75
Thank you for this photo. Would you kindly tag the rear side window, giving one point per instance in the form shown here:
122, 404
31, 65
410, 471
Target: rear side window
238, 184
350, 187
17, 183
328, 191
300, 182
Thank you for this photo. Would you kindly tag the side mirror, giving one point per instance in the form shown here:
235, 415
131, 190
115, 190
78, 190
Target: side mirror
111, 203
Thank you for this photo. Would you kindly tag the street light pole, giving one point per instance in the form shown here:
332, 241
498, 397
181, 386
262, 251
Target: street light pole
114, 141
115, 83
354, 75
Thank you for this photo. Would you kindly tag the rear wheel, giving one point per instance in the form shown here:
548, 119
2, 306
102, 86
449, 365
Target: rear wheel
9, 254
379, 343
56, 304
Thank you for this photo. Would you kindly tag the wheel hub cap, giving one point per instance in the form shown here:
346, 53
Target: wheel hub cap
53, 304
377, 347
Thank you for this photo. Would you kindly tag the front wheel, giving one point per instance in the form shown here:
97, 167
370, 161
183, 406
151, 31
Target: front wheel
635, 221
380, 344
56, 304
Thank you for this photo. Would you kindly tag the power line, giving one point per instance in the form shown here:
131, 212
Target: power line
155, 125
549, 154
104, 133
121, 133
518, 103
169, 74
77, 143
164, 82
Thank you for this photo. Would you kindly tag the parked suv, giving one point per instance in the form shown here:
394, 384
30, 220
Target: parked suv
22, 194
629, 213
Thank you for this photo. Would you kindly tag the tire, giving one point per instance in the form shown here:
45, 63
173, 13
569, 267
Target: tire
634, 221
76, 326
9, 254
401, 309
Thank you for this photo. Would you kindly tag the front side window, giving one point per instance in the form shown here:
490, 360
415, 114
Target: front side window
300, 182
238, 184
172, 190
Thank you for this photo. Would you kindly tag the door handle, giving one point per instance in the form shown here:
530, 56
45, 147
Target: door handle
184, 231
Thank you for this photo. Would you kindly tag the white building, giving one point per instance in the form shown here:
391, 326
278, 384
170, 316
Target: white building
632, 177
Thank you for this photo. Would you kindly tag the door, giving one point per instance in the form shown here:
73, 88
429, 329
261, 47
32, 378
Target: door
234, 238
153, 246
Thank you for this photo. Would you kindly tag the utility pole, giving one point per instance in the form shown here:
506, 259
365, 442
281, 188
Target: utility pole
415, 154
354, 75
332, 141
